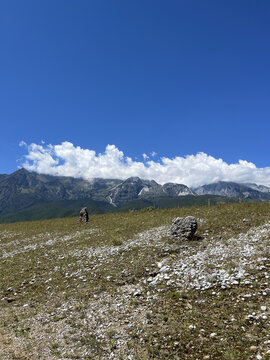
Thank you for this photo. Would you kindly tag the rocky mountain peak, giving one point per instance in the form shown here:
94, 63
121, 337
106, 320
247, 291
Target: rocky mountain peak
172, 189
133, 179
236, 190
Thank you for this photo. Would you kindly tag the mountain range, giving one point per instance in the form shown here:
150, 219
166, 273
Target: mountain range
236, 190
28, 195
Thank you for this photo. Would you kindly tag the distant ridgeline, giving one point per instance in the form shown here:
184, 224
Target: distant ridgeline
30, 196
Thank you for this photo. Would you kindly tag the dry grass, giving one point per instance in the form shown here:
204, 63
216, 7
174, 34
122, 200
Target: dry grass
96, 290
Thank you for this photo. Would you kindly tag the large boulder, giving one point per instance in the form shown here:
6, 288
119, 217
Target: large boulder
183, 228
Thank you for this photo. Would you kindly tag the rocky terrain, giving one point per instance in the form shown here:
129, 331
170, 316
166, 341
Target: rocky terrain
136, 188
120, 287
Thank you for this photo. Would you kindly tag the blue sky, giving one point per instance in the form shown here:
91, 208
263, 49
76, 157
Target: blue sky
173, 77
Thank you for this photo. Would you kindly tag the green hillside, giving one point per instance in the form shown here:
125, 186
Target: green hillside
57, 209
68, 208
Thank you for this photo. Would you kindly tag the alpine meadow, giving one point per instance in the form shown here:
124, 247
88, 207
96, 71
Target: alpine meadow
119, 287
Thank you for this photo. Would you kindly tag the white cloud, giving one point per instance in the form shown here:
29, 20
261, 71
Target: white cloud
146, 157
192, 170
22, 143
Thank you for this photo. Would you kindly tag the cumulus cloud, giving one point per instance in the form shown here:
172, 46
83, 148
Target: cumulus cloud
66, 159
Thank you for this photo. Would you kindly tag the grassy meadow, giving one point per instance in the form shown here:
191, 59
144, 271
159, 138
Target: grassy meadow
119, 287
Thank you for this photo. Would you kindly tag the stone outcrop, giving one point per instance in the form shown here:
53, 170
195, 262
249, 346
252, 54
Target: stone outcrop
84, 215
183, 228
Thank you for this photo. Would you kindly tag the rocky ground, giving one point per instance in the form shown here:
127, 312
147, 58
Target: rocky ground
145, 296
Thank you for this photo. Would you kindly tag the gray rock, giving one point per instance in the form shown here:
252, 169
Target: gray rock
183, 228
84, 215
